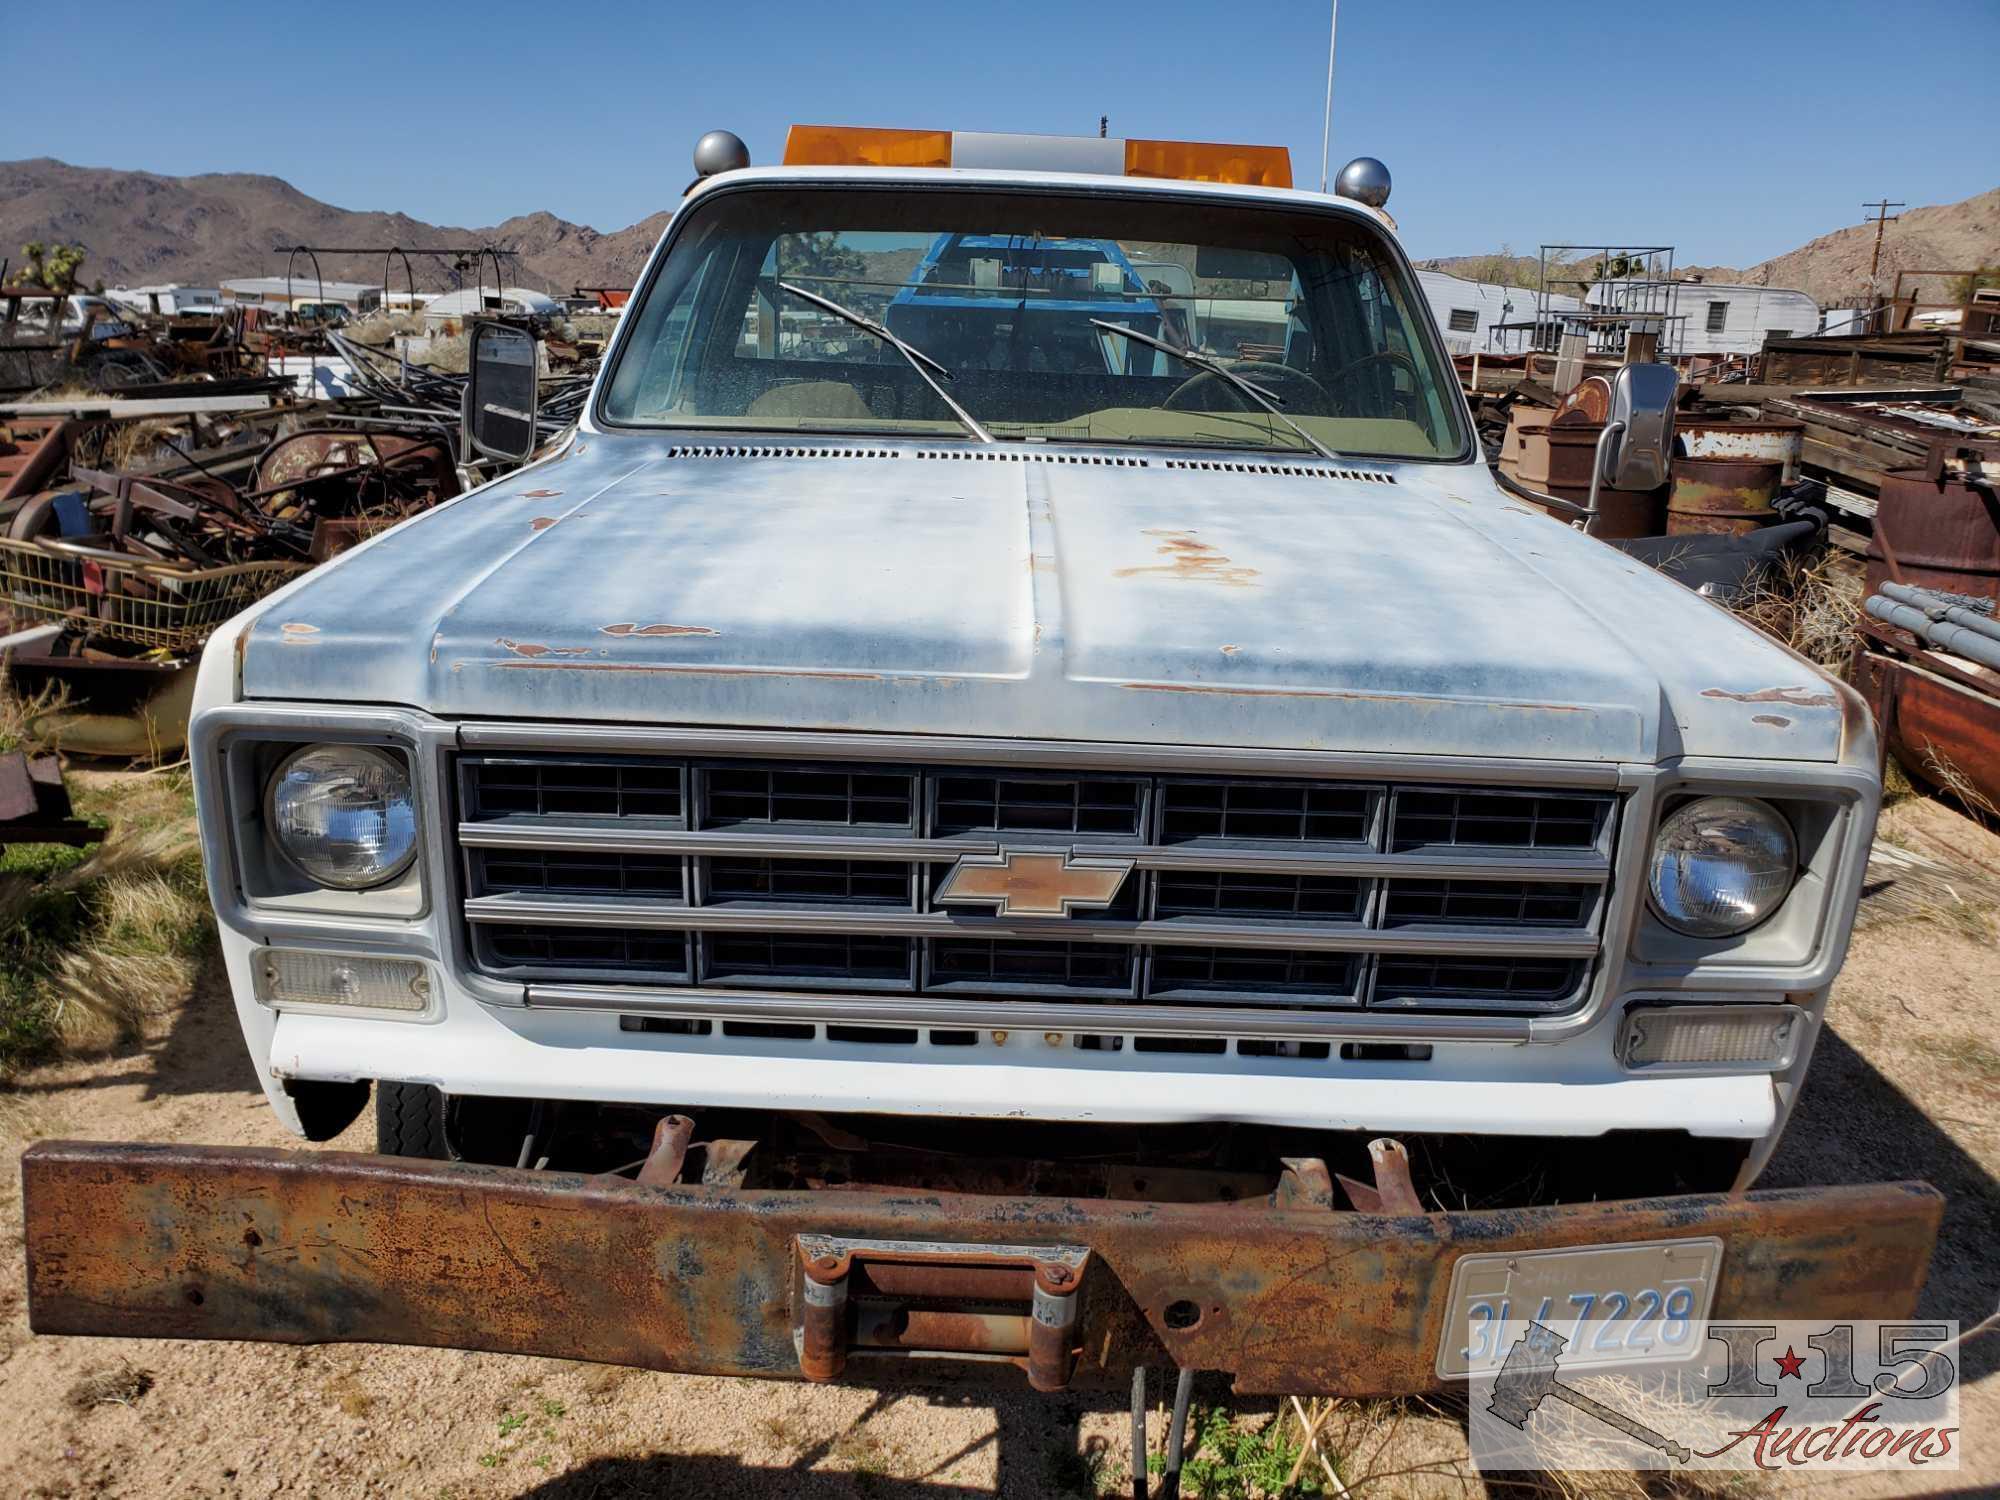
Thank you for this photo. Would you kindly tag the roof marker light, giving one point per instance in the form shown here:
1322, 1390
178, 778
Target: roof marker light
865, 146
1187, 161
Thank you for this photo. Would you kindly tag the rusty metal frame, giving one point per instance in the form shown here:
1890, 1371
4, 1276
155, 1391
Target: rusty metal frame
303, 1247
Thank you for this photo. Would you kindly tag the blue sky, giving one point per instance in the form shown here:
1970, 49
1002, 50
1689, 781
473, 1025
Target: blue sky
1734, 131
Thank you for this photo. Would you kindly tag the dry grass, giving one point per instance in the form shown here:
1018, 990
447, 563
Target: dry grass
121, 1385
1944, 775
139, 964
1583, 1446
1809, 603
93, 943
25, 721
380, 329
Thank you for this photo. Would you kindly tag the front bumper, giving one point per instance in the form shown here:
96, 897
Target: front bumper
306, 1247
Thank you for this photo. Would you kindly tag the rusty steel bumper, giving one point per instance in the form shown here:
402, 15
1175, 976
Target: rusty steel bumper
1288, 1297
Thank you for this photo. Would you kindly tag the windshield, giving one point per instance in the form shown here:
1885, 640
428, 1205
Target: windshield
1003, 298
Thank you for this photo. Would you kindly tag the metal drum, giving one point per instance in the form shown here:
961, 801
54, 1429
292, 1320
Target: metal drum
1724, 495
1759, 442
1938, 534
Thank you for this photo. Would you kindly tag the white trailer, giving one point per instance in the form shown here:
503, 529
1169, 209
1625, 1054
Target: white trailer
1713, 317
1473, 315
169, 300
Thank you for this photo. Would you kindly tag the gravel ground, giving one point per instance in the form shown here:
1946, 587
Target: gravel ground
1907, 1084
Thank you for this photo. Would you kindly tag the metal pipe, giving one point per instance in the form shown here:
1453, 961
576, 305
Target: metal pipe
1939, 607
1326, 123
1139, 1433
1611, 430
1947, 637
1170, 1481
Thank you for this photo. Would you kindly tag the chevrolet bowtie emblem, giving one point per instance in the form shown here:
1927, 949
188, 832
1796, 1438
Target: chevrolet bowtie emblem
1040, 883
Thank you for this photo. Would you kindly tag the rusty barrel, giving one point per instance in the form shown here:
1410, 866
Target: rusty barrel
1524, 455
1572, 449
1726, 495
1755, 442
1936, 534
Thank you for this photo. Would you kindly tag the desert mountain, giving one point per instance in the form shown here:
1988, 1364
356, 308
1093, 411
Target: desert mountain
140, 227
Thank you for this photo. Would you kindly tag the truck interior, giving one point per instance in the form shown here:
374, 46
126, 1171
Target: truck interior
1009, 293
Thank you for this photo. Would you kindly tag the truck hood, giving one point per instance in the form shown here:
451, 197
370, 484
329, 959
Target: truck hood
1065, 594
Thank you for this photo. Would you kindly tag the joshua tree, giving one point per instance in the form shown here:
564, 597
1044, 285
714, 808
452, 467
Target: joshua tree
53, 266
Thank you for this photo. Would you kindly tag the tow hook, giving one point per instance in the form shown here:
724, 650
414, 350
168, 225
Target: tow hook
915, 1297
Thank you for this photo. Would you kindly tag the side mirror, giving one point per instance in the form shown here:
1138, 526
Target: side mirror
1639, 428
498, 419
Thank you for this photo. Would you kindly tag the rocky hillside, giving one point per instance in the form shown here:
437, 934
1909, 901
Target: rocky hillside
140, 227
1832, 269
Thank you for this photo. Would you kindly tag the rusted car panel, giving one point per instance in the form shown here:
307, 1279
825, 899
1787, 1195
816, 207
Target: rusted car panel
299, 1247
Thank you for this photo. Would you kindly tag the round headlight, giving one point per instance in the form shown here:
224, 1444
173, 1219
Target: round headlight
1721, 865
344, 815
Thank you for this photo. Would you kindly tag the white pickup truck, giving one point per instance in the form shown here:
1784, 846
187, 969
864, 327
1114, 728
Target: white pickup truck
1049, 839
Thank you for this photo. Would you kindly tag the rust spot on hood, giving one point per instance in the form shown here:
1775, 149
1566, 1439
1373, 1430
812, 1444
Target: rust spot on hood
1191, 560
629, 628
540, 494
535, 648
543, 523
1231, 650
298, 633
1794, 697
1776, 721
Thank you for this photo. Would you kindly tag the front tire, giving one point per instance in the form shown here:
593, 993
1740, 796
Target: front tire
409, 1120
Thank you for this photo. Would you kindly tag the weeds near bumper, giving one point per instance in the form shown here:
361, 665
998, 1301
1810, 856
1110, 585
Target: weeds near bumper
92, 943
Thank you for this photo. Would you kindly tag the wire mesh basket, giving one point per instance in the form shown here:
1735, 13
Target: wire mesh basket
161, 605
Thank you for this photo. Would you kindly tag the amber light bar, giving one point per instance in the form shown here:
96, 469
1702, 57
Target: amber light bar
1187, 161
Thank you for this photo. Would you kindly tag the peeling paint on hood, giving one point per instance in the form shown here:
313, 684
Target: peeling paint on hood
1037, 598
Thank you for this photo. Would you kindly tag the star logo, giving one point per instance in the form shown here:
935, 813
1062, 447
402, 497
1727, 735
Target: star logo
1789, 1364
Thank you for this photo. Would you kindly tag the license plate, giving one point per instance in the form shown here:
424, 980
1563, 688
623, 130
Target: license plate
1615, 1304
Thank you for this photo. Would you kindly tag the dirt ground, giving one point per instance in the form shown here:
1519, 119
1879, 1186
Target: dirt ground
1906, 1083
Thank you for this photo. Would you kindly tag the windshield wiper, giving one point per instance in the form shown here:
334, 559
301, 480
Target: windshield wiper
1269, 400
921, 362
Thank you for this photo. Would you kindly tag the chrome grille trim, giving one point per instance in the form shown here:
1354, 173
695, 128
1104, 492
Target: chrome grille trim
1249, 889
1060, 755
527, 833
560, 911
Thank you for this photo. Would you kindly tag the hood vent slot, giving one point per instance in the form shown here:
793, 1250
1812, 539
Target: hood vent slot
1296, 471
1030, 456
739, 450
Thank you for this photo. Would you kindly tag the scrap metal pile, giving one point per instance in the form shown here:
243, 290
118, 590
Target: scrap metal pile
404, 389
1927, 653
131, 529
1736, 502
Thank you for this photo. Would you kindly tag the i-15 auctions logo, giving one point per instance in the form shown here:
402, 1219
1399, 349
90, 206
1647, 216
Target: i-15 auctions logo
1776, 1396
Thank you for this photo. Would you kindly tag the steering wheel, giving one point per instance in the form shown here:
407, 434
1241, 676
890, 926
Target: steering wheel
1391, 356
1318, 401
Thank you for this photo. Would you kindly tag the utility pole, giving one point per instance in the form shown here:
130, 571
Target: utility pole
1883, 219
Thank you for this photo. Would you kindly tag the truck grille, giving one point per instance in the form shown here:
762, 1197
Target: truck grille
1284, 894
